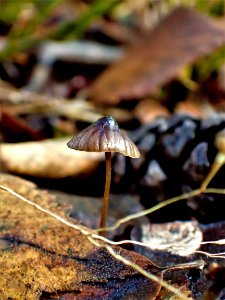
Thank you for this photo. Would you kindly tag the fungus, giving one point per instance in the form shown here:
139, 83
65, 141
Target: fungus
104, 136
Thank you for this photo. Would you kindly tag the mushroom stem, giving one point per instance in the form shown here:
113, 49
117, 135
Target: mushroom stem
106, 192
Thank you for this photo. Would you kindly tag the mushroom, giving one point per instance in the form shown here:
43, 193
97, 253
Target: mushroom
104, 136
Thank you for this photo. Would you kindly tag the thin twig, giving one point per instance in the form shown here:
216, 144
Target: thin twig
218, 242
217, 164
213, 255
150, 210
214, 191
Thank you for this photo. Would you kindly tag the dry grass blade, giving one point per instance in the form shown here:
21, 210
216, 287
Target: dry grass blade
218, 242
213, 255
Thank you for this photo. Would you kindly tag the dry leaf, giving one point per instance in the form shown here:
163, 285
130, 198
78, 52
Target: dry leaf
49, 158
180, 238
165, 294
195, 107
148, 110
41, 258
183, 37
15, 129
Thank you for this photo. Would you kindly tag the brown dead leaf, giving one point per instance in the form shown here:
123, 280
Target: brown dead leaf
182, 37
193, 106
15, 129
148, 110
49, 159
41, 258
165, 294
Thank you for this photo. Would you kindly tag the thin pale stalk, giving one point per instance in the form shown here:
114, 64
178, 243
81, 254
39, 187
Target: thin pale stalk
218, 163
106, 192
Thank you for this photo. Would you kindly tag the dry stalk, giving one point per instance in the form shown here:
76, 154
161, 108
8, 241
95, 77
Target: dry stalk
213, 255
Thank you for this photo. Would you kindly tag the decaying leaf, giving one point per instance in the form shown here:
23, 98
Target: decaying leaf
148, 110
16, 129
183, 37
196, 108
41, 258
179, 238
49, 159
165, 294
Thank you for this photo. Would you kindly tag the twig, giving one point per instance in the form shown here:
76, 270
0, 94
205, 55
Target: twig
214, 255
218, 242
150, 210
217, 164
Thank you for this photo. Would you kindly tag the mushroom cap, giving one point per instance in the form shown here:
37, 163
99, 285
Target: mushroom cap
104, 136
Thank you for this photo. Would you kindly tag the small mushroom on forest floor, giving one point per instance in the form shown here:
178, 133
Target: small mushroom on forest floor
104, 136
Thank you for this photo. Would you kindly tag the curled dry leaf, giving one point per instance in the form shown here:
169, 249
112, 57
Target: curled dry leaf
180, 39
41, 257
180, 238
49, 158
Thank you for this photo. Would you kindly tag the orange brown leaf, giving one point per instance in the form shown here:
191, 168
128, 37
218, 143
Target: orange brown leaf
180, 39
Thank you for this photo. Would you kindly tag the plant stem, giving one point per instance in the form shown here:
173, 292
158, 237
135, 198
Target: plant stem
106, 192
218, 163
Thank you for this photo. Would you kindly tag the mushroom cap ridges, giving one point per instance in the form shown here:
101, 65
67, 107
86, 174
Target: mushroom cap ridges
104, 136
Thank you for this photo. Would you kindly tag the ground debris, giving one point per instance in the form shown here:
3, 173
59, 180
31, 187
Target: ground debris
41, 257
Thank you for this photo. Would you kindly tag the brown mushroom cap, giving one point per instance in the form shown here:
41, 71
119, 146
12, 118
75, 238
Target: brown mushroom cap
104, 136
